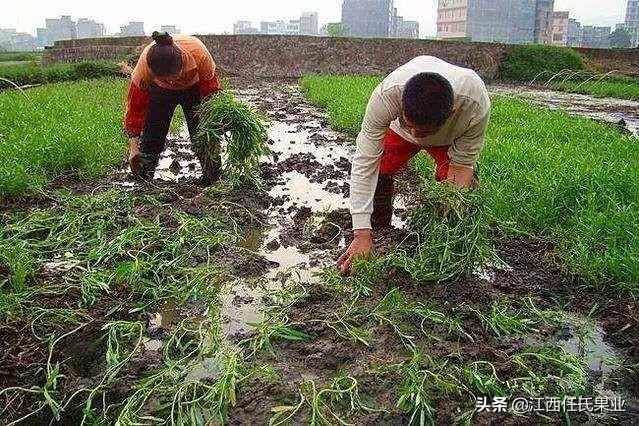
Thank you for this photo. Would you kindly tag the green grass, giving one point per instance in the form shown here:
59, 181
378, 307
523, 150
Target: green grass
59, 129
571, 181
526, 62
223, 116
20, 56
29, 73
622, 88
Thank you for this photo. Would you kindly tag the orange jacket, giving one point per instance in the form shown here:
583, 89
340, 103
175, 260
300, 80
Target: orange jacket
198, 68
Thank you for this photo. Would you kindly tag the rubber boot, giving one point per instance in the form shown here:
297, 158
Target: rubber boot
147, 164
383, 202
208, 153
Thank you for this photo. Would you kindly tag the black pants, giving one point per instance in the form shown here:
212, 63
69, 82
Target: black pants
162, 104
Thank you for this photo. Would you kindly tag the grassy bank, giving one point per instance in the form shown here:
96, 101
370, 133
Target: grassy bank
26, 73
615, 87
571, 181
58, 129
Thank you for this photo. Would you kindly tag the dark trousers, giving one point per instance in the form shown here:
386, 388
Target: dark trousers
162, 104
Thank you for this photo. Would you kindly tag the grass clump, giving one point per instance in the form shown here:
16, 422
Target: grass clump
55, 130
526, 62
224, 117
452, 233
503, 321
35, 73
543, 174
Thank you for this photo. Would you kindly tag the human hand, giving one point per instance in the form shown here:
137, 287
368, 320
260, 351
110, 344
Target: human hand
134, 155
362, 245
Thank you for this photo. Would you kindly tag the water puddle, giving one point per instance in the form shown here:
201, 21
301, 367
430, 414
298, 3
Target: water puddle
585, 339
311, 164
168, 314
607, 109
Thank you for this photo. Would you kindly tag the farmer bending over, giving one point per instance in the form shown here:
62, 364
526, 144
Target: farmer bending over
427, 104
171, 71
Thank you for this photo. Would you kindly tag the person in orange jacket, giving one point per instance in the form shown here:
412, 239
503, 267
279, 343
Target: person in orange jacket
171, 71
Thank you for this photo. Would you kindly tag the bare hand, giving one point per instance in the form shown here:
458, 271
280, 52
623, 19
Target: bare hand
362, 245
461, 176
134, 155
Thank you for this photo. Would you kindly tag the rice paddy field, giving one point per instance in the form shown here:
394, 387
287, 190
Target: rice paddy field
162, 302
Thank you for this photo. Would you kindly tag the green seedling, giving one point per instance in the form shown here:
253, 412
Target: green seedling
481, 376
452, 233
503, 321
550, 370
425, 379
224, 117
323, 404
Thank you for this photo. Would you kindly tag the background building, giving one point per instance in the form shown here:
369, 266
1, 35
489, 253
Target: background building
500, 21
244, 27
632, 21
88, 28
403, 29
368, 18
171, 29
132, 29
560, 28
544, 11
309, 23
63, 28
592, 36
280, 27
13, 41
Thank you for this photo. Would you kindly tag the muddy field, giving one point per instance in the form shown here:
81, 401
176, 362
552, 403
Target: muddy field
314, 348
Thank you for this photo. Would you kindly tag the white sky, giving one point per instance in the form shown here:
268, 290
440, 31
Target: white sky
218, 16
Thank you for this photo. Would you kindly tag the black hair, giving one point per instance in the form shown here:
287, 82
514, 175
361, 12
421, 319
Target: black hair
164, 57
428, 99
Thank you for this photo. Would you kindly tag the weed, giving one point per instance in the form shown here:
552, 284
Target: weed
526, 62
567, 374
452, 233
425, 379
324, 403
601, 86
503, 321
224, 117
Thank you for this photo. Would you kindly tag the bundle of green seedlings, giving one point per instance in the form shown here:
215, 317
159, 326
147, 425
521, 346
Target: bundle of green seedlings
451, 230
224, 117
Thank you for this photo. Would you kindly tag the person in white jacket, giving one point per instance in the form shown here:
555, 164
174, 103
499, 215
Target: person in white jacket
426, 104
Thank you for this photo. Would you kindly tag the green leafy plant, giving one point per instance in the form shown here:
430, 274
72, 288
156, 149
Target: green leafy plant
223, 117
503, 321
527, 62
452, 233
324, 404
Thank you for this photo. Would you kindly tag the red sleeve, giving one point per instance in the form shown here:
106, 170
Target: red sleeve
210, 87
137, 106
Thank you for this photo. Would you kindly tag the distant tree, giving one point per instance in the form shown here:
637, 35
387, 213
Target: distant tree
620, 38
336, 29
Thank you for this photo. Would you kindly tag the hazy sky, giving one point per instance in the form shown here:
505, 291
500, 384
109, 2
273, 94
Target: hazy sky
218, 16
